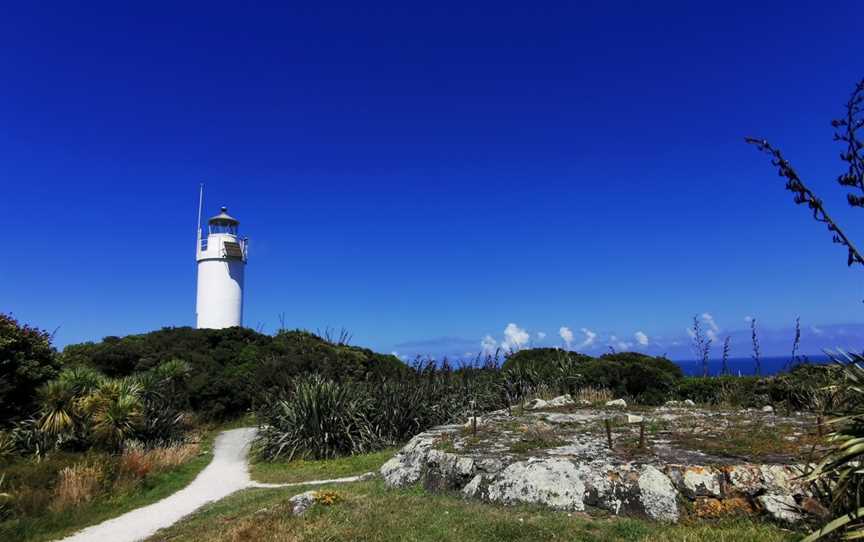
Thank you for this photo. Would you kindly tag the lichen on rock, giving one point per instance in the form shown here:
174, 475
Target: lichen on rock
557, 454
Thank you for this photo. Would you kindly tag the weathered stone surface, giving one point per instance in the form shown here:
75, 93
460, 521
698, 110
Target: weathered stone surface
561, 400
472, 488
697, 481
536, 404
781, 507
489, 464
768, 408
633, 418
684, 403
302, 502
658, 495
745, 479
470, 424
618, 403
553, 482
407, 466
560, 417
782, 478
565, 463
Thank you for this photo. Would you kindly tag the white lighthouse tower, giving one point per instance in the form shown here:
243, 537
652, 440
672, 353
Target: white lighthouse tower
221, 260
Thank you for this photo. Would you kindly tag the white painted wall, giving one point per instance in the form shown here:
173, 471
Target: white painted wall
220, 285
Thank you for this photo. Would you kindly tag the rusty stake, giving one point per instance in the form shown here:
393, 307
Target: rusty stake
608, 424
642, 434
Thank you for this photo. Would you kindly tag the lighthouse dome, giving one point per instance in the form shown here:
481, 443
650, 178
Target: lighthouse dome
224, 219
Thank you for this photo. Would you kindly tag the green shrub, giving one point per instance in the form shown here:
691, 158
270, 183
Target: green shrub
27, 360
743, 391
229, 369
546, 363
82, 409
645, 379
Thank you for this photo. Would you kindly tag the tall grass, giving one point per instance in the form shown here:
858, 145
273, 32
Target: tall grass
316, 418
77, 484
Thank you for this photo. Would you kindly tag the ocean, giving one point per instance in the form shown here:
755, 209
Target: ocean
746, 366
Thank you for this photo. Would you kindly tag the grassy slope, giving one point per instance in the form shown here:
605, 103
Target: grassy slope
369, 511
54, 525
301, 470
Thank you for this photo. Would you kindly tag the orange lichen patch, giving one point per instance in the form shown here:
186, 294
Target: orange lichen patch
709, 507
815, 508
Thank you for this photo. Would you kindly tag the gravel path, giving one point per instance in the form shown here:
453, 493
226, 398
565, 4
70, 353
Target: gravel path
226, 474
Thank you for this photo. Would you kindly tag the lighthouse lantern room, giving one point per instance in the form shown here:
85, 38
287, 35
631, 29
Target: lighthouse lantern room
221, 257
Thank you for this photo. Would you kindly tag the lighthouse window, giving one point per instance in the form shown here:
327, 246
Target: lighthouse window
223, 228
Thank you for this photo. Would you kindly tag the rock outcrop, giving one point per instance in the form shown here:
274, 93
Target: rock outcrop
559, 457
302, 502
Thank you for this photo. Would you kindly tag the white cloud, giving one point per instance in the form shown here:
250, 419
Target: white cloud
541, 335
641, 338
489, 345
712, 325
816, 330
711, 329
566, 335
618, 344
514, 337
590, 336
712, 335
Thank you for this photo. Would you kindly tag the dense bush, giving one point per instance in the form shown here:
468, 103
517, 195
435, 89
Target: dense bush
645, 379
27, 360
84, 409
745, 391
229, 368
543, 361
640, 377
805, 387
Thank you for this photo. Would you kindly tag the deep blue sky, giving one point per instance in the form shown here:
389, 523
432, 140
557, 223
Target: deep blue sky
426, 175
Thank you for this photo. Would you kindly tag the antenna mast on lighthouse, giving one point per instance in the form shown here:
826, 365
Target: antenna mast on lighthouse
200, 206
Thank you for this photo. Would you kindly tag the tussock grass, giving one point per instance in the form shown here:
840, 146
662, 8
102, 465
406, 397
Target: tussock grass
58, 495
158, 459
78, 484
593, 395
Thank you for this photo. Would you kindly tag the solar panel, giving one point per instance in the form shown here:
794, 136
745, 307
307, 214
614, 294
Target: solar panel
233, 250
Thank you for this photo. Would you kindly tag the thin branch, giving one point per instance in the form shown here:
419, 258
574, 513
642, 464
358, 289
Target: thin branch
852, 122
805, 195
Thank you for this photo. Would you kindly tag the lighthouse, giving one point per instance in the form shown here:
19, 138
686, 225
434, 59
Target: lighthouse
221, 260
